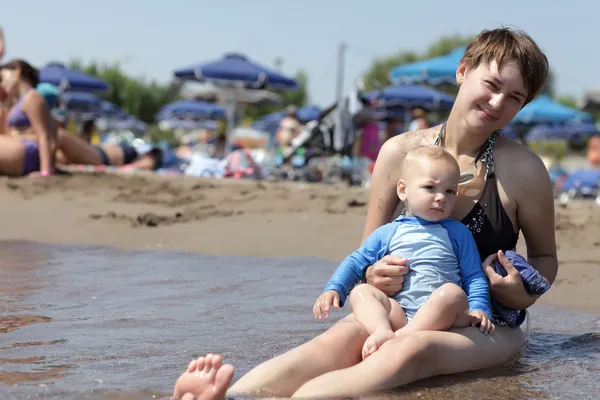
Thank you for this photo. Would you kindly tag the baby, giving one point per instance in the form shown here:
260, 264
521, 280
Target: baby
442, 260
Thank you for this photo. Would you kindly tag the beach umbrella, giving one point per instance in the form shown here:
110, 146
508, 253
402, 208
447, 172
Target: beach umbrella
110, 110
231, 73
582, 131
270, 122
78, 102
185, 124
190, 109
67, 79
547, 132
304, 114
433, 71
409, 96
211, 94
544, 110
510, 131
235, 70
127, 123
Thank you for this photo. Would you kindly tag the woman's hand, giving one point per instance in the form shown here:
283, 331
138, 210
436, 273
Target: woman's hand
387, 274
508, 290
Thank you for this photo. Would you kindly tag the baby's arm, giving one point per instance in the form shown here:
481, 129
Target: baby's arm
473, 279
351, 270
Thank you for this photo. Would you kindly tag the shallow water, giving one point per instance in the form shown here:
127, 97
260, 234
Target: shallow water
98, 323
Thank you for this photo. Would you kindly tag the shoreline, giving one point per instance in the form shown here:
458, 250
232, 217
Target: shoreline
248, 218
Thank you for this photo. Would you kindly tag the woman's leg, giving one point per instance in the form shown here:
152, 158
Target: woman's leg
77, 151
417, 356
339, 347
12, 156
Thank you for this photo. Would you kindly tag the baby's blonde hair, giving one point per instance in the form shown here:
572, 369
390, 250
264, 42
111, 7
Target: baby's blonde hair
429, 152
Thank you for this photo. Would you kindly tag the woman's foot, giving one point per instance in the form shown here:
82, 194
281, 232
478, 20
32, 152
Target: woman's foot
375, 341
205, 379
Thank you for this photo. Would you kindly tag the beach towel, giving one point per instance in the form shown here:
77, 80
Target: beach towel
534, 283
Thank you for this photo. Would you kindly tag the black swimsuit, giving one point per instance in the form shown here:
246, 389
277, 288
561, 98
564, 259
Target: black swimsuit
488, 222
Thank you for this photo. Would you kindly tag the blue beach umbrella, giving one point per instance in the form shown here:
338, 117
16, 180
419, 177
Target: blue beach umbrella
270, 122
582, 131
510, 131
433, 71
78, 102
110, 110
190, 109
67, 79
410, 96
544, 110
235, 70
547, 132
177, 123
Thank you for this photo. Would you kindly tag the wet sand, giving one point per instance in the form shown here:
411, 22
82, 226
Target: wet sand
247, 218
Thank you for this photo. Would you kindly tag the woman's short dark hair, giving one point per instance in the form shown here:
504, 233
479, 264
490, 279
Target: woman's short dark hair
504, 45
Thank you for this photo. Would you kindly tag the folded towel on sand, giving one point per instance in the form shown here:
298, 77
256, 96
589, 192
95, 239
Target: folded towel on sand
534, 283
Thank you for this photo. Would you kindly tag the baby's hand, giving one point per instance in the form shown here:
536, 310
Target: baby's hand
480, 318
326, 300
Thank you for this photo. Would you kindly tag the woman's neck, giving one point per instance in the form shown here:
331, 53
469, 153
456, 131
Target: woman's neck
23, 88
459, 139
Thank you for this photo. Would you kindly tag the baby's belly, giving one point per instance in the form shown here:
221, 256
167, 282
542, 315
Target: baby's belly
420, 283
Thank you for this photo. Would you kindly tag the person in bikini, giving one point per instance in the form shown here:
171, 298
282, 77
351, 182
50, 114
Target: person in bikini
73, 149
443, 260
28, 121
505, 189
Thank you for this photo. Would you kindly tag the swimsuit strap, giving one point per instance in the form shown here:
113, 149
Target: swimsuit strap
485, 155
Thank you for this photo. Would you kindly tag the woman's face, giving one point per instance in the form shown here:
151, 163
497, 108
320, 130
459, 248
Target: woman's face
490, 98
9, 79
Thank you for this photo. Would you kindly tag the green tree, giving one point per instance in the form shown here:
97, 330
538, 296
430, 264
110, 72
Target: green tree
566, 100
143, 99
137, 96
377, 76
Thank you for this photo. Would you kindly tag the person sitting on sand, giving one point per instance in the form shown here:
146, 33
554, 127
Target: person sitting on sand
72, 149
29, 122
504, 192
442, 253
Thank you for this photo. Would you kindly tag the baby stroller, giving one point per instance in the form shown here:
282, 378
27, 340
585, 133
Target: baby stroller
326, 144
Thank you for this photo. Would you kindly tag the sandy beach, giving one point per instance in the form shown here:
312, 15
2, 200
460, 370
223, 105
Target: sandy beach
247, 218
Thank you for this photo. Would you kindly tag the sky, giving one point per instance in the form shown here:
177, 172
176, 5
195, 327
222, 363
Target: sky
150, 39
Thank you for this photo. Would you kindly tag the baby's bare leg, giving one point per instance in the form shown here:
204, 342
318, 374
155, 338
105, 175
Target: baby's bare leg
448, 307
380, 315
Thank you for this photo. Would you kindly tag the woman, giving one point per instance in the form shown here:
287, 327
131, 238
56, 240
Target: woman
78, 150
29, 120
508, 191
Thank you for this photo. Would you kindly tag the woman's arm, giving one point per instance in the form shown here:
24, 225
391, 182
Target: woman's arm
39, 115
388, 274
535, 215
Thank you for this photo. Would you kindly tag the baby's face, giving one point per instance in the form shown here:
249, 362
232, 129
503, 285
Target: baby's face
430, 189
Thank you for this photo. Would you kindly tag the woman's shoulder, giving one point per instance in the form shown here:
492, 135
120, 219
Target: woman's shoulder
511, 155
396, 147
33, 101
519, 169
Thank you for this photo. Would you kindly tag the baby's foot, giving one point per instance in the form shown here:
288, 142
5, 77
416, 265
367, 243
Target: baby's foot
375, 341
205, 379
